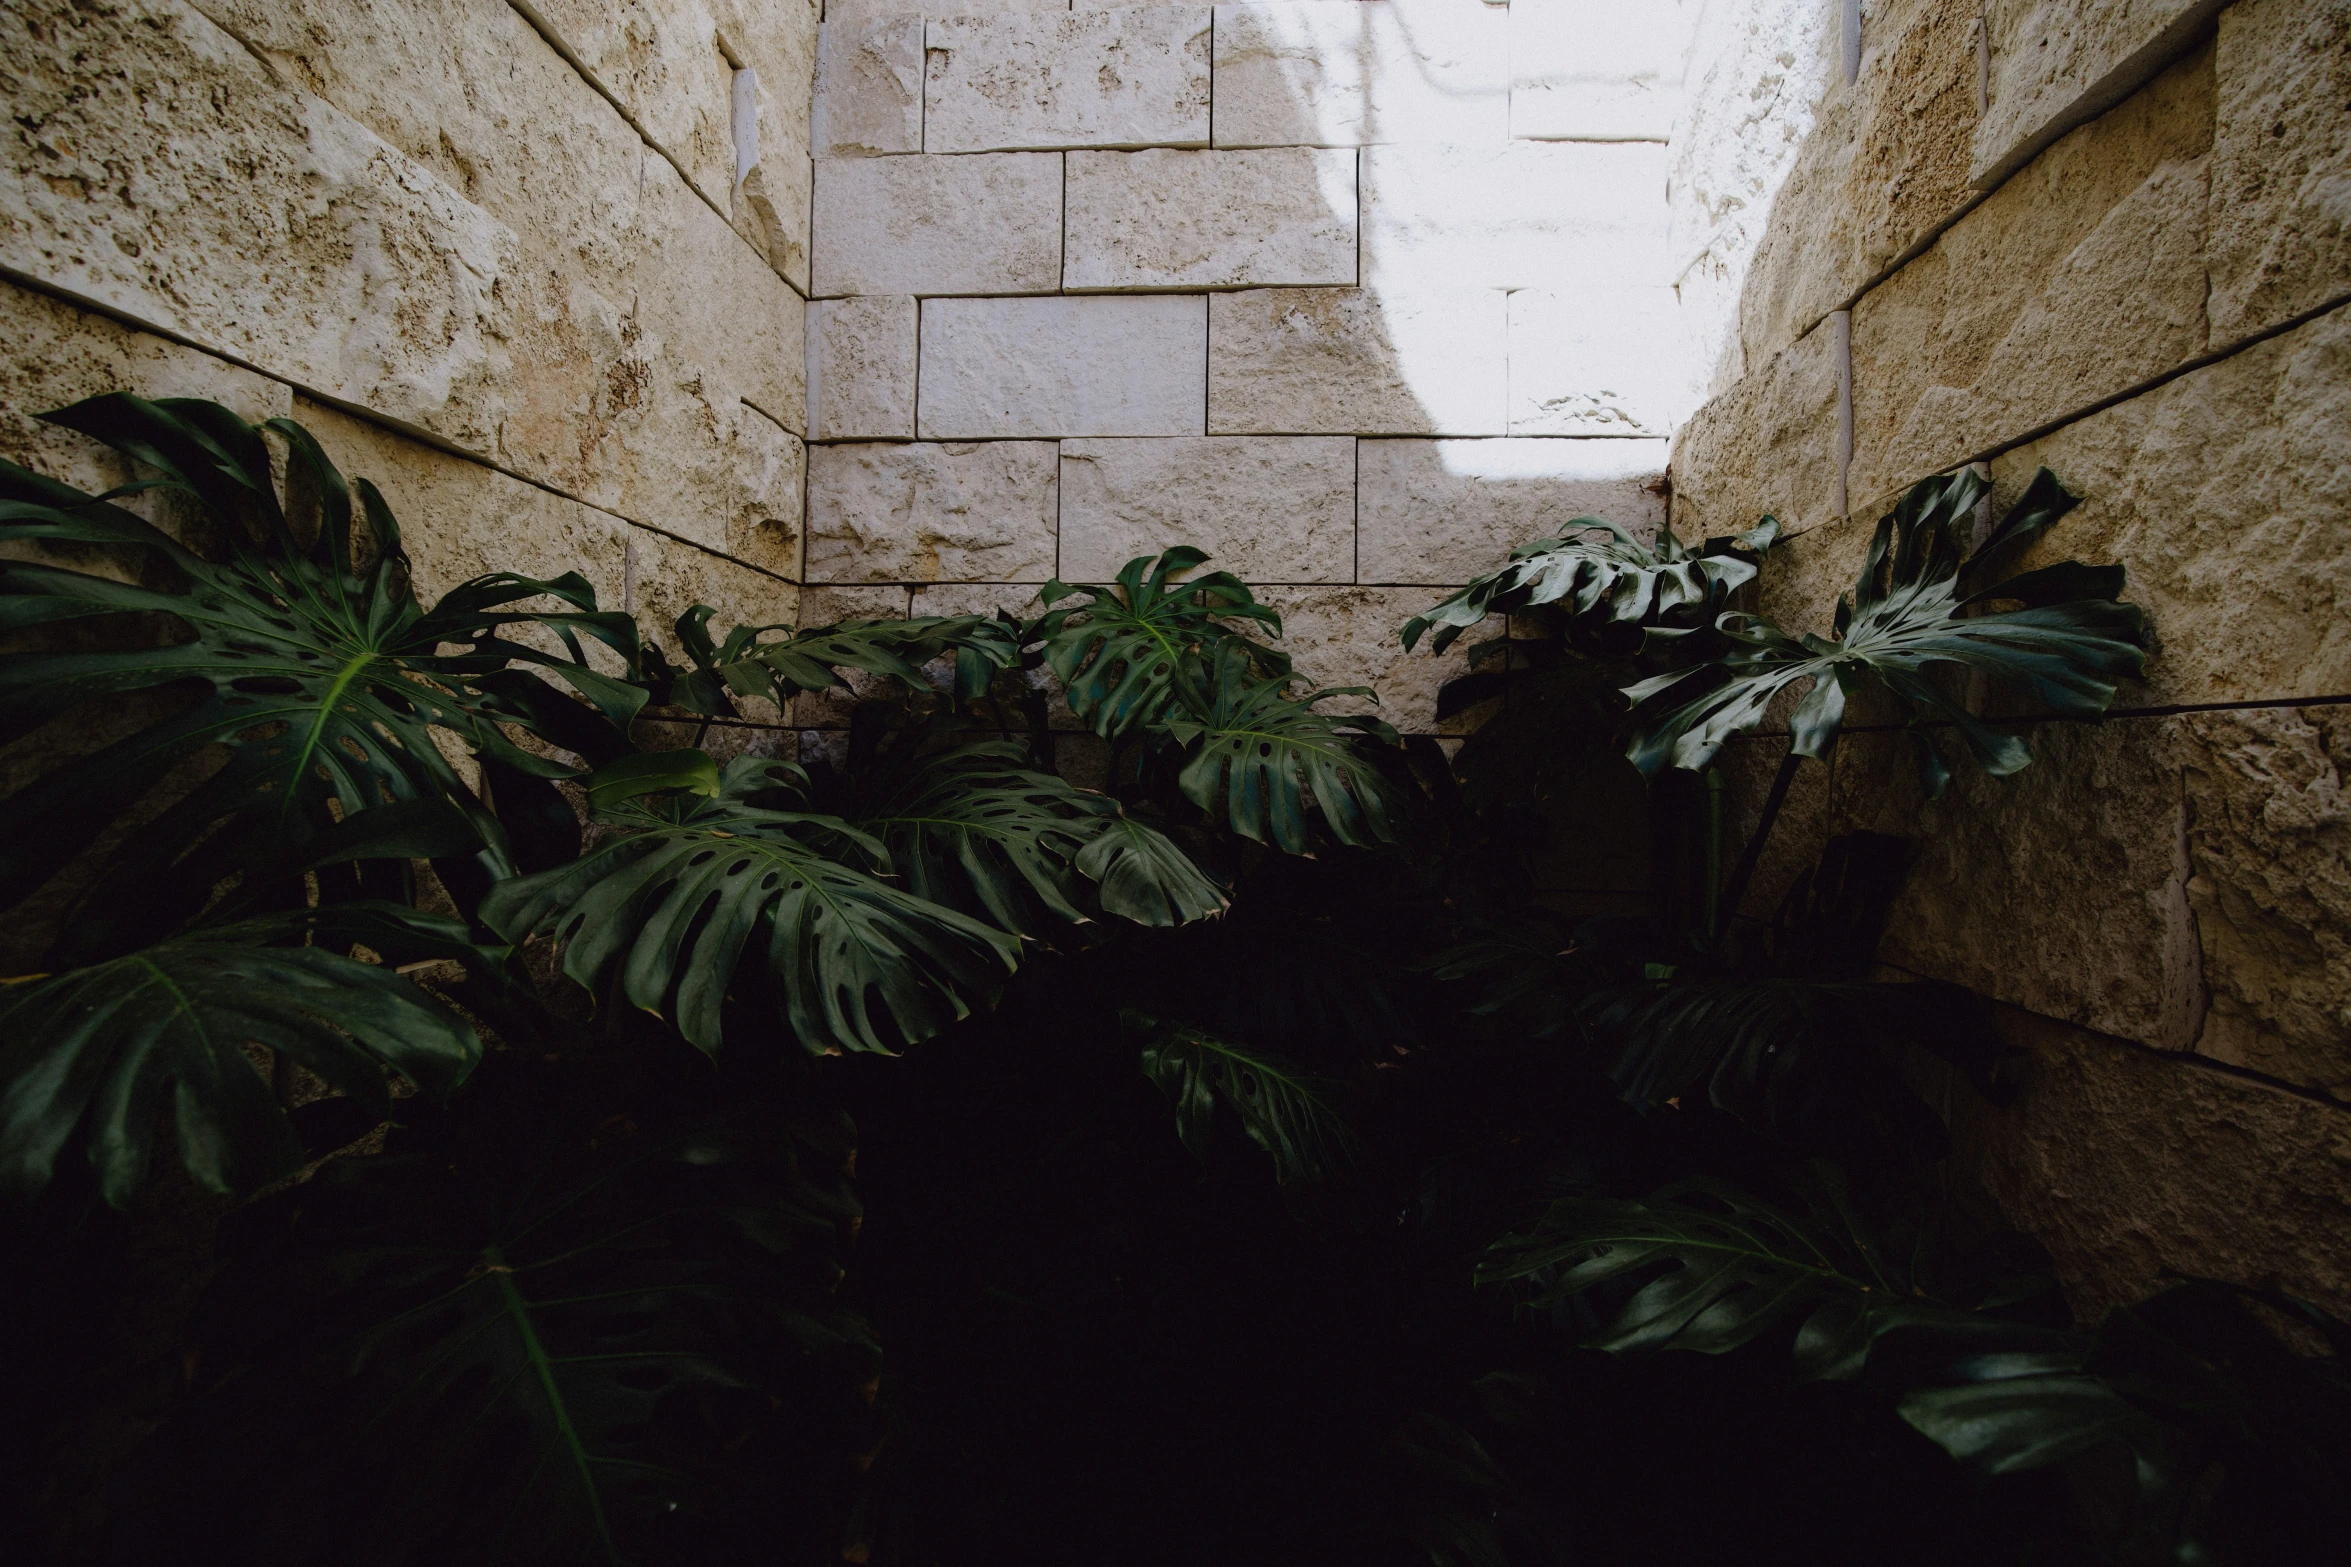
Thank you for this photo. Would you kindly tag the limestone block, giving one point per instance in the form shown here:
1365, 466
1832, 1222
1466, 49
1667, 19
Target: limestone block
868, 88
1181, 219
1016, 368
1885, 166
1766, 447
1324, 361
989, 225
2131, 1168
1309, 74
980, 512
861, 368
1516, 215
1126, 78
1271, 508
1594, 70
2227, 496
1599, 362
861, 10
776, 40
667, 578
1350, 637
2281, 171
1434, 512
2050, 66
2080, 277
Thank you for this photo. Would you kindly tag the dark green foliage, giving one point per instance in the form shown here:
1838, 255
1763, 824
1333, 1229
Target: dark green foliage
1117, 653
1924, 601
812, 659
1284, 1110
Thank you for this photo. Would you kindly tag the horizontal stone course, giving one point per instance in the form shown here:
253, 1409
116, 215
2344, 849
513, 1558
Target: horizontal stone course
1029, 368
868, 88
1125, 78
981, 512
1322, 361
1517, 215
933, 225
1271, 508
1181, 219
1315, 74
1597, 70
2051, 65
1435, 512
861, 368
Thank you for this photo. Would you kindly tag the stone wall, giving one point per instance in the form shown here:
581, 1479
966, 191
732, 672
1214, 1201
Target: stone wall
1354, 294
2109, 238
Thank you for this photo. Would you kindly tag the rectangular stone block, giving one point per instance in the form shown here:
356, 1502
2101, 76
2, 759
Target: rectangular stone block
1324, 361
1177, 219
1349, 636
1434, 512
1023, 368
1311, 74
1594, 70
861, 368
1767, 446
1271, 508
2080, 277
2281, 163
1599, 362
862, 10
2051, 66
988, 225
982, 512
868, 88
1516, 215
1126, 78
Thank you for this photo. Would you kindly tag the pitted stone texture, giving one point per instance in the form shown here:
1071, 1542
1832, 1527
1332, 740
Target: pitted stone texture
863, 10
868, 88
2080, 277
1315, 74
1518, 215
1028, 368
1434, 512
1128, 78
981, 512
987, 225
861, 368
1767, 446
2281, 166
1597, 70
1271, 508
1348, 637
1885, 166
2054, 65
1599, 362
2226, 494
1179, 219
1325, 361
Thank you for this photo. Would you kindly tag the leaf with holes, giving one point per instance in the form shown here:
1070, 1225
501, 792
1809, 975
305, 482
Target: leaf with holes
776, 661
1120, 653
1284, 1110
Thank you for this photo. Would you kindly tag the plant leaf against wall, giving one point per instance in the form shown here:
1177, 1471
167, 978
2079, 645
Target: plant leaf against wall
1119, 653
812, 659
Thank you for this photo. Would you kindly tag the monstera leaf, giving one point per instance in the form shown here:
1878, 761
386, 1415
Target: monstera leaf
1922, 601
1261, 753
1118, 654
314, 668
547, 1326
690, 885
102, 1053
1599, 576
812, 659
1284, 1110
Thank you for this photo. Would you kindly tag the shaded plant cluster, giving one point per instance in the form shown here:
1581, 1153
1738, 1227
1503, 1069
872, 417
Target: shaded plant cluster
1260, 1164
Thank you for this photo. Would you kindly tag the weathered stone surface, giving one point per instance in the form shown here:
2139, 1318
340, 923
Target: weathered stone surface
1317, 361
667, 578
2081, 276
1180, 219
1517, 215
933, 513
2050, 66
2130, 1167
1445, 511
861, 10
989, 225
1349, 637
1886, 165
868, 88
1128, 78
2227, 495
1599, 362
1271, 508
861, 368
996, 368
1323, 75
2281, 163
1768, 446
1593, 70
